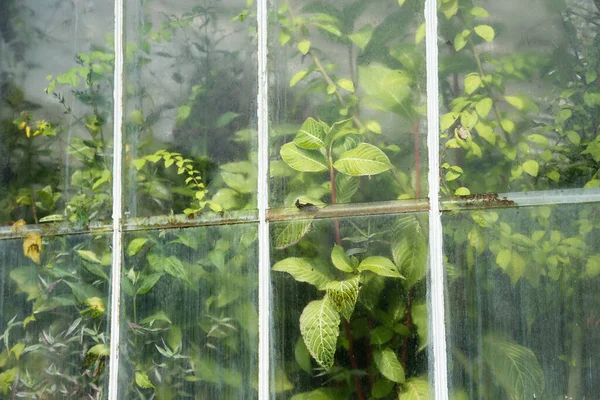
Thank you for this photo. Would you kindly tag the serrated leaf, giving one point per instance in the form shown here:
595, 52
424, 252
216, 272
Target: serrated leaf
514, 367
381, 266
415, 389
346, 84
290, 233
319, 327
142, 380
388, 364
340, 259
311, 135
365, 159
531, 167
302, 159
135, 246
298, 76
303, 270
486, 32
343, 295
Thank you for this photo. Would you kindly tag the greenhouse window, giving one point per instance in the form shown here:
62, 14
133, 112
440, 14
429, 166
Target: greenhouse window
274, 199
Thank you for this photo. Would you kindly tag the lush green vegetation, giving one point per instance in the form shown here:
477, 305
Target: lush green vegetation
350, 305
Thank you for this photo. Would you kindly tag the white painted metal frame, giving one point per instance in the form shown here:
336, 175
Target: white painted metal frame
436, 265
117, 189
264, 279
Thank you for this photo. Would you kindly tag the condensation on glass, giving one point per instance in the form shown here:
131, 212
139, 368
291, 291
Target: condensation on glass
56, 80
190, 113
347, 81
189, 313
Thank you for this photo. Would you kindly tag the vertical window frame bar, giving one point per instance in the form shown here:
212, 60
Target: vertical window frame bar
117, 206
436, 288
264, 279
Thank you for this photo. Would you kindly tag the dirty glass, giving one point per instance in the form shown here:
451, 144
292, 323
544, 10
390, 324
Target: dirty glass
190, 113
349, 308
347, 101
523, 302
54, 296
519, 95
56, 80
190, 317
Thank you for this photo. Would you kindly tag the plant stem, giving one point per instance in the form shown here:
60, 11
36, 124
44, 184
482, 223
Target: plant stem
407, 324
338, 240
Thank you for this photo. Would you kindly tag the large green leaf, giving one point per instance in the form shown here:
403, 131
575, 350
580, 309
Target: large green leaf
340, 259
388, 364
381, 266
173, 266
365, 159
302, 159
320, 394
345, 187
419, 317
290, 233
311, 135
303, 270
319, 327
409, 249
343, 295
514, 367
415, 389
388, 86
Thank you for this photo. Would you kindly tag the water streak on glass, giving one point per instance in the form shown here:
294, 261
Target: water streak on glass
190, 115
349, 308
56, 66
522, 288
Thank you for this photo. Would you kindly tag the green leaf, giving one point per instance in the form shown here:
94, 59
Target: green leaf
460, 40
373, 126
142, 380
486, 32
298, 76
381, 335
147, 282
538, 139
483, 107
345, 187
303, 270
302, 159
225, 119
302, 356
514, 367
503, 258
135, 246
531, 167
592, 268
479, 12
574, 137
365, 159
415, 389
388, 86
290, 233
304, 46
174, 267
420, 33
183, 112
343, 295
89, 256
311, 135
319, 327
362, 37
409, 250
420, 318
388, 364
381, 266
462, 191
472, 83
447, 120
320, 394
346, 84
340, 259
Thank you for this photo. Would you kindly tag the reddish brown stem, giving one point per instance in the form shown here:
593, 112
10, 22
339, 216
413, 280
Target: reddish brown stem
338, 240
408, 325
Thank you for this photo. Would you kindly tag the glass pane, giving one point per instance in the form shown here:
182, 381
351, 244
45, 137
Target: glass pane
347, 101
349, 308
56, 73
523, 302
54, 294
190, 117
519, 95
190, 318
